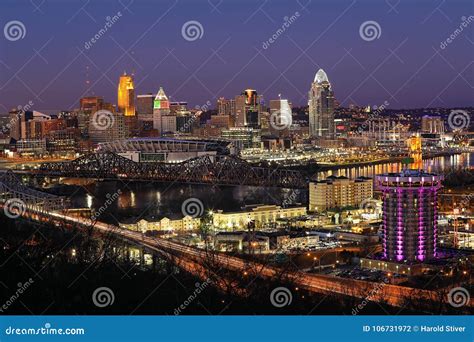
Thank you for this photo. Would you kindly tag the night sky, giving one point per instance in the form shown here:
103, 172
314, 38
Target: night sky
404, 66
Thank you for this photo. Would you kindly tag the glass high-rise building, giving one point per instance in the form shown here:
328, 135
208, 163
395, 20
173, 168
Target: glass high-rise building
321, 107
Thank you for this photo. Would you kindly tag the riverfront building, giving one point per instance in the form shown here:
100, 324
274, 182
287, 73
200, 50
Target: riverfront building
410, 215
339, 192
260, 216
166, 224
165, 149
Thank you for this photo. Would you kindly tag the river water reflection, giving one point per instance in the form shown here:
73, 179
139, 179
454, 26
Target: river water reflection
154, 200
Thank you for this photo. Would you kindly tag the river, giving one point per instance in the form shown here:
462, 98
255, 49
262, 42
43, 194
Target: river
155, 200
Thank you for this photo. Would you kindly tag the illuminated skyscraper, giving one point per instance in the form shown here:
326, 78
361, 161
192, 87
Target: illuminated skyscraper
240, 112
280, 118
225, 106
163, 121
410, 217
126, 95
321, 107
248, 107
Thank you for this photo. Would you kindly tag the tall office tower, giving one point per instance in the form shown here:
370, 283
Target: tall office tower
240, 111
253, 108
15, 118
321, 107
280, 118
163, 121
184, 120
226, 106
109, 128
145, 106
88, 106
248, 107
126, 95
432, 124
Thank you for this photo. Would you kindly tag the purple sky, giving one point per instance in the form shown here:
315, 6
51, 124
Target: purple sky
404, 66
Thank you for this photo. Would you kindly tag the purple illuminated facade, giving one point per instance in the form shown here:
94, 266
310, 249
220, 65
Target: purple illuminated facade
410, 200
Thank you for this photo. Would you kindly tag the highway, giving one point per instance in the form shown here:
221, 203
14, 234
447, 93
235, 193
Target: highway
193, 260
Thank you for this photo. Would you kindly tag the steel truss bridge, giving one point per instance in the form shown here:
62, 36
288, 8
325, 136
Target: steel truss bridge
18, 198
218, 170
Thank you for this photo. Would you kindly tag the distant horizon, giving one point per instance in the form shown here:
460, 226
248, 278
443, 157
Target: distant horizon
56, 111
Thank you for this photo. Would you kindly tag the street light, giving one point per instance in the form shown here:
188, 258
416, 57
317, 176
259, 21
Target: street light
319, 263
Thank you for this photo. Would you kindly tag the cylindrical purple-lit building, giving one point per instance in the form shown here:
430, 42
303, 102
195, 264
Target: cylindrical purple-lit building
410, 200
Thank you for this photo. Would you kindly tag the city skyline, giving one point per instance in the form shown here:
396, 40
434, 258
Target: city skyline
409, 67
237, 157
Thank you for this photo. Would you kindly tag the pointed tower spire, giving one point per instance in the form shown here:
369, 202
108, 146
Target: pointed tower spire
161, 95
321, 76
